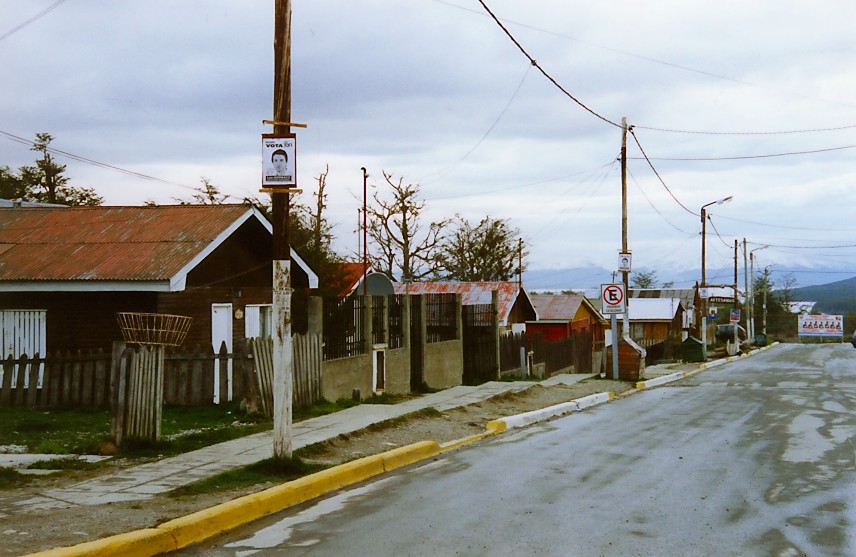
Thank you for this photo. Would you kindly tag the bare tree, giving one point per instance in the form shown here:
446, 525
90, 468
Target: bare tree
402, 245
488, 251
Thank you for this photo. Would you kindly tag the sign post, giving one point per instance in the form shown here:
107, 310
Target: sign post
613, 302
734, 318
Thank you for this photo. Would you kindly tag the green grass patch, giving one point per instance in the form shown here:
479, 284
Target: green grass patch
54, 430
269, 470
85, 430
321, 408
10, 479
70, 463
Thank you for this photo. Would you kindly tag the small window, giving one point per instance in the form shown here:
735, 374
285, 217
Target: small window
258, 321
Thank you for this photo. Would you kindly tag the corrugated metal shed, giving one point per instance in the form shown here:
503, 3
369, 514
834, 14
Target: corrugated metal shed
472, 293
130, 244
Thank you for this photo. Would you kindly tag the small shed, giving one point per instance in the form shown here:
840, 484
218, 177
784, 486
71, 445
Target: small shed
631, 361
558, 315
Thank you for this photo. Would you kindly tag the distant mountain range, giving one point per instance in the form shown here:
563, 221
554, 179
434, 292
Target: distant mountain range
836, 297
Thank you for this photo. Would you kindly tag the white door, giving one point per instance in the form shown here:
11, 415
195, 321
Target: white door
221, 331
23, 331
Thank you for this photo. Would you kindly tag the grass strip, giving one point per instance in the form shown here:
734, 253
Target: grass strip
265, 471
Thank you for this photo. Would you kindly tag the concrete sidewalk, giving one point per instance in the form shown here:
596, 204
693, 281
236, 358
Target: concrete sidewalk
147, 480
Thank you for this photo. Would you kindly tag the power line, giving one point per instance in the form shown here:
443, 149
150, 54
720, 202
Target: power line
72, 156
658, 174
784, 226
721, 239
745, 157
653, 207
442, 172
781, 132
540, 69
31, 20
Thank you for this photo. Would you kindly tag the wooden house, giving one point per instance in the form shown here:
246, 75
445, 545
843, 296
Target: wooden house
65, 272
558, 315
653, 320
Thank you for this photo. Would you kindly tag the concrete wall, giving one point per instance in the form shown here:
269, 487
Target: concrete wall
340, 377
444, 364
398, 371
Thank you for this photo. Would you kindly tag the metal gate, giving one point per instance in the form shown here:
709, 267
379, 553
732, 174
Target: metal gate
480, 344
417, 343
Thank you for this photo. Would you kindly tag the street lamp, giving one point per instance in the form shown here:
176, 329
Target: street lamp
766, 287
703, 277
751, 293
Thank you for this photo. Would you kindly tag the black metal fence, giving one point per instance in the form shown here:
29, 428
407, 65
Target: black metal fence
440, 317
343, 330
379, 319
397, 326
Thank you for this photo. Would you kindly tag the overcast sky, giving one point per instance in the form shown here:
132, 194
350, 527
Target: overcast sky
435, 92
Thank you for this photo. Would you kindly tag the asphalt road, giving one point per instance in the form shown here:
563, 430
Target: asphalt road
752, 458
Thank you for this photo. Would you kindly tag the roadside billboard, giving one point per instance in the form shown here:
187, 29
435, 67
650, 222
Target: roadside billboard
820, 325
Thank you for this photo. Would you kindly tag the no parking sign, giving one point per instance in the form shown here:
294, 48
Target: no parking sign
613, 299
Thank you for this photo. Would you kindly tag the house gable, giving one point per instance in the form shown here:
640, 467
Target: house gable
154, 249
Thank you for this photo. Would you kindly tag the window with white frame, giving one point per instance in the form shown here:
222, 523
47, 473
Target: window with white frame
258, 320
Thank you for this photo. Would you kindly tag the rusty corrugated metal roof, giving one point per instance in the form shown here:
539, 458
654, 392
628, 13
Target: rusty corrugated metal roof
108, 243
472, 293
556, 307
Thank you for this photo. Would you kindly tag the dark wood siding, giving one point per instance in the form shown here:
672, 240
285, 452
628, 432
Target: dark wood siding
81, 320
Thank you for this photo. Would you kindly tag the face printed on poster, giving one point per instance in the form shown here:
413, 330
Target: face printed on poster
278, 161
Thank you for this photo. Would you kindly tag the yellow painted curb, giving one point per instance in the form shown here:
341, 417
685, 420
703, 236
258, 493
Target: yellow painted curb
449, 445
409, 454
139, 543
497, 426
203, 524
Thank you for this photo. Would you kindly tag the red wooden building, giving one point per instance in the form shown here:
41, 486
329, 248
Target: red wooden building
560, 314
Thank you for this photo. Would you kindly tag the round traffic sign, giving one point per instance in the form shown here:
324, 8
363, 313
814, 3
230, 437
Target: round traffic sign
613, 295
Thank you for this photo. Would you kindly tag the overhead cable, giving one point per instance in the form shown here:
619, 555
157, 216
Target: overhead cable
72, 156
781, 132
745, 157
44, 12
636, 139
540, 69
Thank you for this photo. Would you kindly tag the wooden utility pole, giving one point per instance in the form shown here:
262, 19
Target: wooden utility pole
283, 362
736, 299
624, 249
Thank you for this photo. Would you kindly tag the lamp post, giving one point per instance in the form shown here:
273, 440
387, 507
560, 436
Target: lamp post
751, 294
766, 286
703, 277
